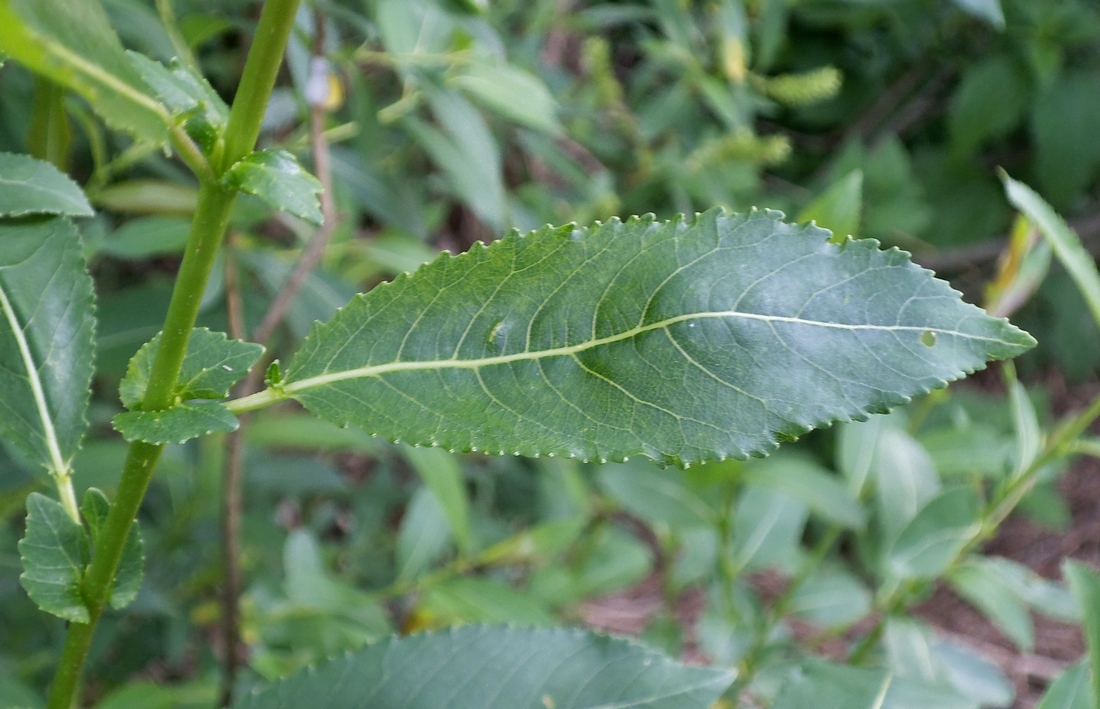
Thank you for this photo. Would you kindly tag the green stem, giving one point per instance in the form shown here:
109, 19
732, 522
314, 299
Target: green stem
207, 231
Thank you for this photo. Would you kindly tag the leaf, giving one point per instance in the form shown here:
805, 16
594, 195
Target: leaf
991, 82
831, 599
659, 497
470, 599
838, 208
276, 177
980, 583
905, 479
1084, 581
1026, 424
511, 92
72, 43
442, 474
805, 480
424, 535
127, 581
29, 186
1066, 244
187, 95
212, 365
1067, 149
498, 668
988, 10
820, 685
146, 237
46, 339
936, 535
55, 552
550, 343
767, 527
1070, 691
176, 424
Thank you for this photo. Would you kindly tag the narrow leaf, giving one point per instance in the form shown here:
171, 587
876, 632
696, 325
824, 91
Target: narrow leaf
477, 667
46, 346
55, 552
807, 481
932, 540
660, 497
442, 474
1084, 580
176, 424
276, 177
682, 341
980, 583
72, 43
127, 581
424, 535
1070, 691
213, 363
838, 208
29, 186
1066, 244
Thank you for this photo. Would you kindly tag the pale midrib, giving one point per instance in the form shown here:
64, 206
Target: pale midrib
454, 363
60, 467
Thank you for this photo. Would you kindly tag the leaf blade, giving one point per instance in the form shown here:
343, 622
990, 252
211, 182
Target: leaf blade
36, 187
276, 177
499, 668
54, 552
591, 312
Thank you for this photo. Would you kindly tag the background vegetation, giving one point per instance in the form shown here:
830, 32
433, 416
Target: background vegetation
438, 123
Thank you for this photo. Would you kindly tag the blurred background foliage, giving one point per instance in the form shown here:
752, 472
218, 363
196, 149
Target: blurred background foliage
452, 121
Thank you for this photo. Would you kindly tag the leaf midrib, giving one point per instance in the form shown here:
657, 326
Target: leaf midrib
60, 466
529, 355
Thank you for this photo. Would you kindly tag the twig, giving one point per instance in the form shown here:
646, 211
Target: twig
232, 504
252, 383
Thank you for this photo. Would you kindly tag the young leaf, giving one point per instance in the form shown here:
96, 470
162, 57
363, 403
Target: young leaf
804, 480
29, 186
212, 365
1070, 691
72, 43
980, 583
127, 581
46, 329
176, 424
1066, 244
655, 496
424, 534
276, 177
932, 539
442, 474
817, 684
477, 667
187, 95
838, 208
55, 552
1084, 580
683, 341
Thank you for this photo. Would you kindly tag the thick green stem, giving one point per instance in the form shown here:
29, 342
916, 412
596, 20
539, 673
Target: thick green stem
207, 231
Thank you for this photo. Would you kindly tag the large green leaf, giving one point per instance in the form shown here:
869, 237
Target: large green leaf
72, 42
54, 552
498, 668
29, 186
46, 350
682, 341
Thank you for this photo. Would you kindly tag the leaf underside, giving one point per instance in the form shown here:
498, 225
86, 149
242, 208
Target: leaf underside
176, 424
682, 341
46, 338
499, 668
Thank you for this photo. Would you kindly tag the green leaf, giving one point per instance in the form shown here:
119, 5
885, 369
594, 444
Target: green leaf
72, 42
442, 474
936, 535
498, 668
46, 339
276, 177
1026, 424
127, 582
55, 552
147, 237
838, 208
187, 95
480, 600
805, 480
212, 365
548, 344
424, 535
511, 92
659, 497
1070, 691
29, 186
1066, 148
176, 424
831, 599
1084, 581
992, 82
905, 479
980, 582
1067, 245
820, 685
767, 527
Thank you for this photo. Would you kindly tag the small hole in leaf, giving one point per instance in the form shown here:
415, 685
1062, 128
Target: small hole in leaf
928, 338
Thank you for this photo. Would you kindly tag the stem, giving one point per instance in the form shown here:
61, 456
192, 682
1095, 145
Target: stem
207, 229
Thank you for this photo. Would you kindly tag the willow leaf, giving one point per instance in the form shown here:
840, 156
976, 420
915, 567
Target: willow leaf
682, 341
72, 42
498, 668
29, 186
46, 351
